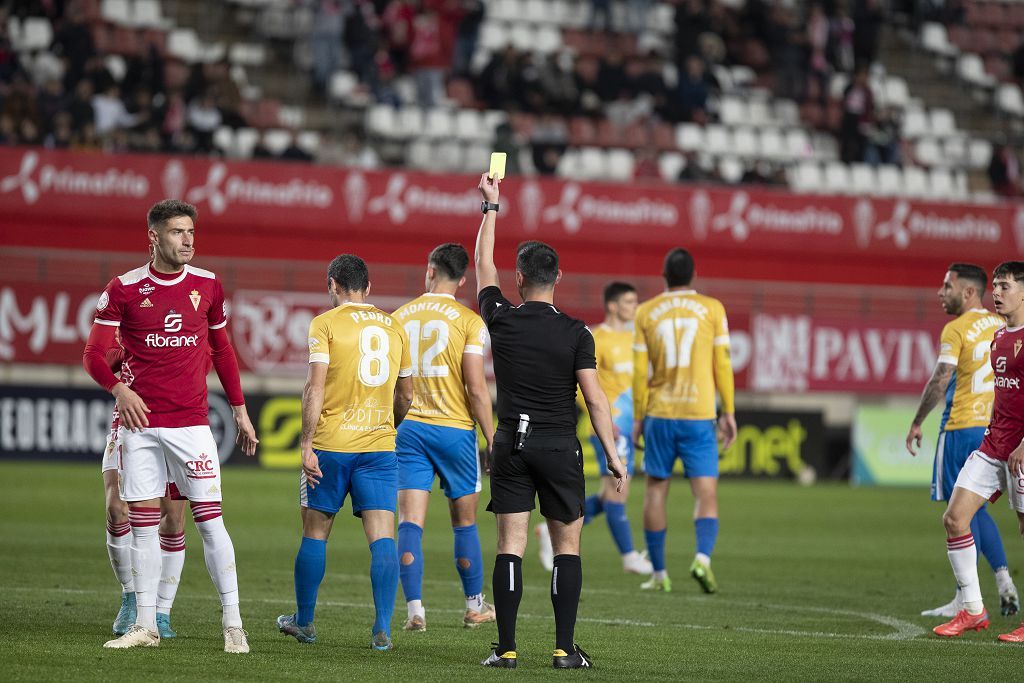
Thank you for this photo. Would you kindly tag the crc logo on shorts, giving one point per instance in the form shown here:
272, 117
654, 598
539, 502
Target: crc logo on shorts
203, 467
1018, 484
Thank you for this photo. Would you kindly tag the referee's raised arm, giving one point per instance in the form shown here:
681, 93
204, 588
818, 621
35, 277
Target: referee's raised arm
486, 271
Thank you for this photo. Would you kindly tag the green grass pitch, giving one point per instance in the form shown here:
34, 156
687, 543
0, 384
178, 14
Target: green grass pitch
820, 583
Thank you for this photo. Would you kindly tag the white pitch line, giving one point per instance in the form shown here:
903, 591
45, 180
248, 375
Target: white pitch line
906, 632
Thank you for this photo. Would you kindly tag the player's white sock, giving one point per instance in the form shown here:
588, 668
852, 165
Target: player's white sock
475, 602
119, 550
172, 559
145, 562
415, 609
701, 557
963, 556
660, 574
220, 558
1003, 581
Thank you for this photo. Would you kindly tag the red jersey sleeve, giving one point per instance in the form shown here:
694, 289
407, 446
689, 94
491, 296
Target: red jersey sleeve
110, 305
218, 314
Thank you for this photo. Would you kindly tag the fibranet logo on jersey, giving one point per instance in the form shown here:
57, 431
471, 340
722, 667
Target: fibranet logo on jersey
67, 180
172, 323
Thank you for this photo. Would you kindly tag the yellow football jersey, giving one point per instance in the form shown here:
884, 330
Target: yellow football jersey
965, 344
681, 354
614, 352
440, 331
366, 352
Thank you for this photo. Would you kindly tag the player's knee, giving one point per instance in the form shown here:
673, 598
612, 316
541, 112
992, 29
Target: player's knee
953, 523
117, 513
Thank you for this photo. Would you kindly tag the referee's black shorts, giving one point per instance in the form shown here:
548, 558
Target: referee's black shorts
549, 467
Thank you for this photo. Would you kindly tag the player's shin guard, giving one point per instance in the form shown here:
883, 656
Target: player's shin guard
119, 550
172, 559
963, 556
566, 583
706, 531
618, 524
310, 565
469, 559
410, 558
507, 586
220, 559
592, 507
656, 548
384, 579
145, 562
990, 543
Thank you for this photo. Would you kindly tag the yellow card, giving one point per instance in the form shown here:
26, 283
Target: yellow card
497, 165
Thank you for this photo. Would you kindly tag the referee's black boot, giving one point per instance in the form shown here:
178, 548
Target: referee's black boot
577, 660
506, 660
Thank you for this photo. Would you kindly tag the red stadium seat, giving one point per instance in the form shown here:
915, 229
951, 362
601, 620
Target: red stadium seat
582, 132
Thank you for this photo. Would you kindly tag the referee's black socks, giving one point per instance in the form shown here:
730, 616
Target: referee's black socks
566, 582
508, 592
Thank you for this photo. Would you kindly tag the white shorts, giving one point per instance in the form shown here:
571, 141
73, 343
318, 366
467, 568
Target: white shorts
990, 478
185, 456
110, 453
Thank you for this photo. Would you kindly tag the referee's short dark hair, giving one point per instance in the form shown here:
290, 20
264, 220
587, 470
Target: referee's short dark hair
450, 259
538, 263
614, 290
161, 212
350, 272
971, 273
679, 268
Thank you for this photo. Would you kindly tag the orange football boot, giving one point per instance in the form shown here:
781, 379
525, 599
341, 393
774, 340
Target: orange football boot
1016, 636
963, 621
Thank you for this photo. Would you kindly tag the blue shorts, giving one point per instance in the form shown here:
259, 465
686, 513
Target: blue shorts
449, 452
951, 453
370, 478
692, 441
625, 448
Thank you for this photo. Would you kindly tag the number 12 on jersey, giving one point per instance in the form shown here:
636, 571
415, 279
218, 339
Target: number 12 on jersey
677, 352
432, 330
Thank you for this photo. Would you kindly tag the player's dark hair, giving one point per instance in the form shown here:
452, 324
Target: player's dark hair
679, 267
350, 272
1010, 269
450, 259
538, 263
972, 273
614, 290
161, 212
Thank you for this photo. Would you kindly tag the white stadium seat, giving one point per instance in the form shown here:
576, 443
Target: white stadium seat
890, 181
837, 178
670, 165
863, 179
689, 136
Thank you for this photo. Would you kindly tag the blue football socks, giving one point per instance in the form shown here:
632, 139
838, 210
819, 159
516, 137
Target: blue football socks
310, 563
410, 544
384, 579
656, 548
592, 507
618, 524
986, 535
467, 552
707, 534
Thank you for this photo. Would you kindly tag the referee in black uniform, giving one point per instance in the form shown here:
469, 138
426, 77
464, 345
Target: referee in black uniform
540, 354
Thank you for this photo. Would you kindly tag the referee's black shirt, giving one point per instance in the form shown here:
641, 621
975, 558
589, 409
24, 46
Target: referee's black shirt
537, 350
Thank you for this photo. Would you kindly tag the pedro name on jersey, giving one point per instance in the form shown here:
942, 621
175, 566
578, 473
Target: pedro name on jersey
440, 331
366, 352
965, 344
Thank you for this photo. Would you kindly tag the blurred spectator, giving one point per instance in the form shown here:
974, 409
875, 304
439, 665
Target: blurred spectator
1017, 63
818, 72
841, 31
73, 42
326, 41
8, 134
467, 36
691, 21
786, 44
548, 143
397, 20
80, 106
505, 140
203, 119
351, 150
1004, 172
858, 115
61, 133
637, 12
361, 39
295, 153
611, 76
51, 100
20, 102
696, 170
428, 59
604, 9
883, 139
109, 111
496, 83
693, 91
868, 18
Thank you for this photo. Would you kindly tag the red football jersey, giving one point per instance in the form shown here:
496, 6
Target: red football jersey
1006, 430
164, 323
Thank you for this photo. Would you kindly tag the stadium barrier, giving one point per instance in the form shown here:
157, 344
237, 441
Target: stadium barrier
880, 457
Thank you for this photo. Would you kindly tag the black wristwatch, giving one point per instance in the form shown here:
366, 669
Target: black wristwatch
486, 206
